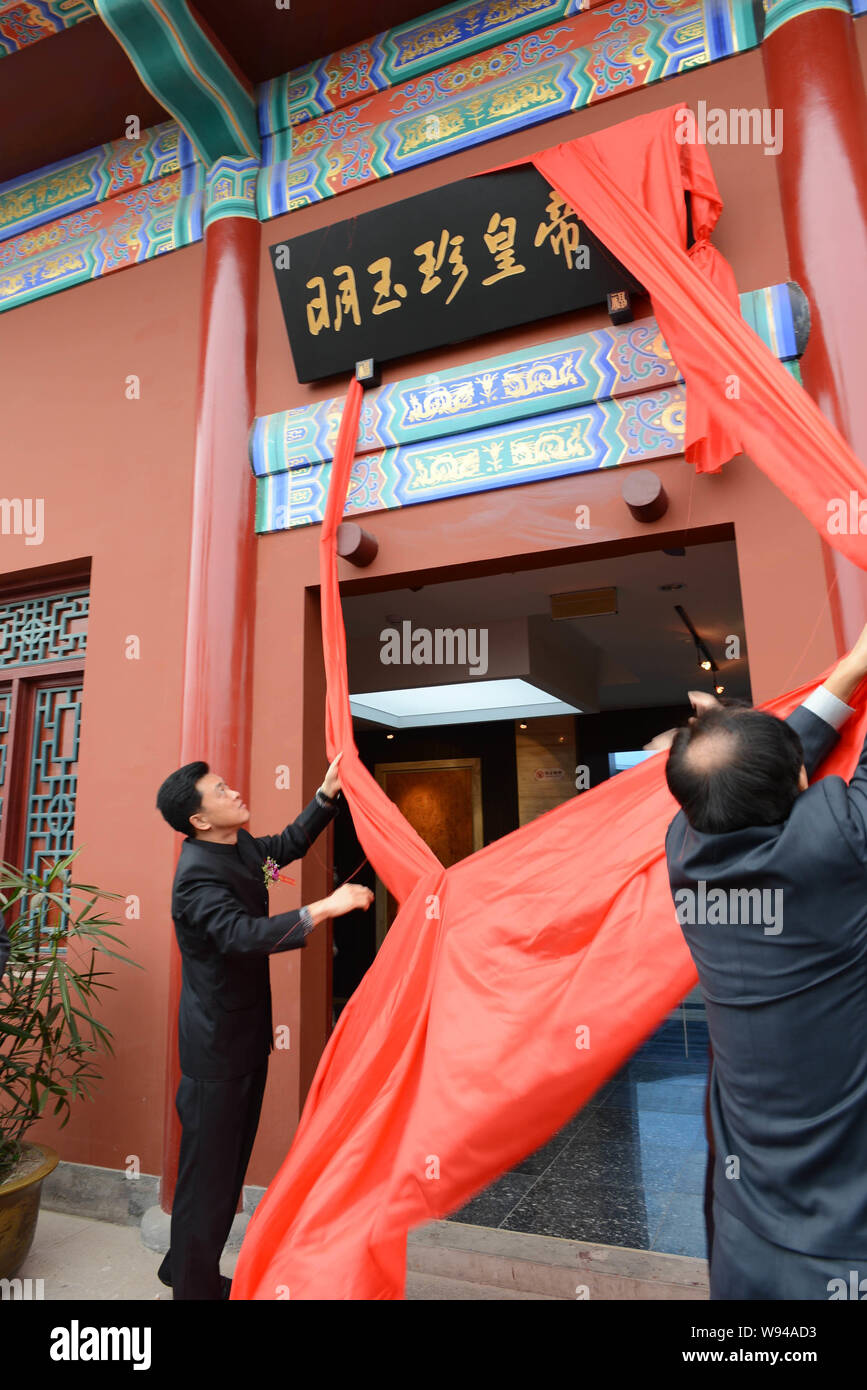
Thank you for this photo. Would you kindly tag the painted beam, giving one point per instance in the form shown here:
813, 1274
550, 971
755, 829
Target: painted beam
110, 236
73, 184
535, 380
635, 429
526, 81
604, 434
410, 51
25, 22
404, 53
600, 435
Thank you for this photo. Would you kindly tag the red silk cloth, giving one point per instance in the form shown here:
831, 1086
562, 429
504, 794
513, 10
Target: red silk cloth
511, 985
628, 183
463, 1049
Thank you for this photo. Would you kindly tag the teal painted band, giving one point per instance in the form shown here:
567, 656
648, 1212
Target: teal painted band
779, 12
231, 207
179, 65
230, 189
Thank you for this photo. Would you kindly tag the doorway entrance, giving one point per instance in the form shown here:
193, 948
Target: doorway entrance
584, 663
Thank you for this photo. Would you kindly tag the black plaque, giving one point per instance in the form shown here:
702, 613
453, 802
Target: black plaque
474, 257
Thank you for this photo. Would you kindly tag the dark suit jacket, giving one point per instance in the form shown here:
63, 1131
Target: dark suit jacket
787, 1010
220, 912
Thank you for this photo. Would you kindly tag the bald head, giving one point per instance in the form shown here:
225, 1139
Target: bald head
711, 750
733, 768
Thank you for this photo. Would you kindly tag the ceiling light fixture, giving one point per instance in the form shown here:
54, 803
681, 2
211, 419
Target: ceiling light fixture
466, 702
705, 660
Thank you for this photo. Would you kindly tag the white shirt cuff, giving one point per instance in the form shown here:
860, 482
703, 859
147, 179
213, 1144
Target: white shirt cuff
829, 707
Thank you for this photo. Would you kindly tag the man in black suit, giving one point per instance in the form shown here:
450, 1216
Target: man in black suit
220, 912
769, 879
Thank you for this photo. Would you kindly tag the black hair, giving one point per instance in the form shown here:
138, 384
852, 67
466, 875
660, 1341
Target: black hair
755, 780
178, 798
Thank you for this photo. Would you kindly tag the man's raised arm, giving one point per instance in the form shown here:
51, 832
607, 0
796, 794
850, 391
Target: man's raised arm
843, 681
294, 842
827, 707
817, 722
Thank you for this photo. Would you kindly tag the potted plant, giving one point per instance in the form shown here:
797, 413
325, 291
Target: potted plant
50, 1039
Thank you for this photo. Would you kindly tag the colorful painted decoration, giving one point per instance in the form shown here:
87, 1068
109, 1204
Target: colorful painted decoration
596, 436
420, 46
612, 419
25, 22
421, 91
408, 51
109, 236
570, 65
538, 379
92, 177
637, 430
230, 189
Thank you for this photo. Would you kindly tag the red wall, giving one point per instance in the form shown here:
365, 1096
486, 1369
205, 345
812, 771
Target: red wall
115, 476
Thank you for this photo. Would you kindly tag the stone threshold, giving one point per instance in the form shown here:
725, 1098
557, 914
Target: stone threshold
551, 1266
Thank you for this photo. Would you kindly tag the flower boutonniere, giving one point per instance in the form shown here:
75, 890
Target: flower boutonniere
270, 870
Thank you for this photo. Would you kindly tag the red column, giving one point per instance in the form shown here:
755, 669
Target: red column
215, 723
814, 78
